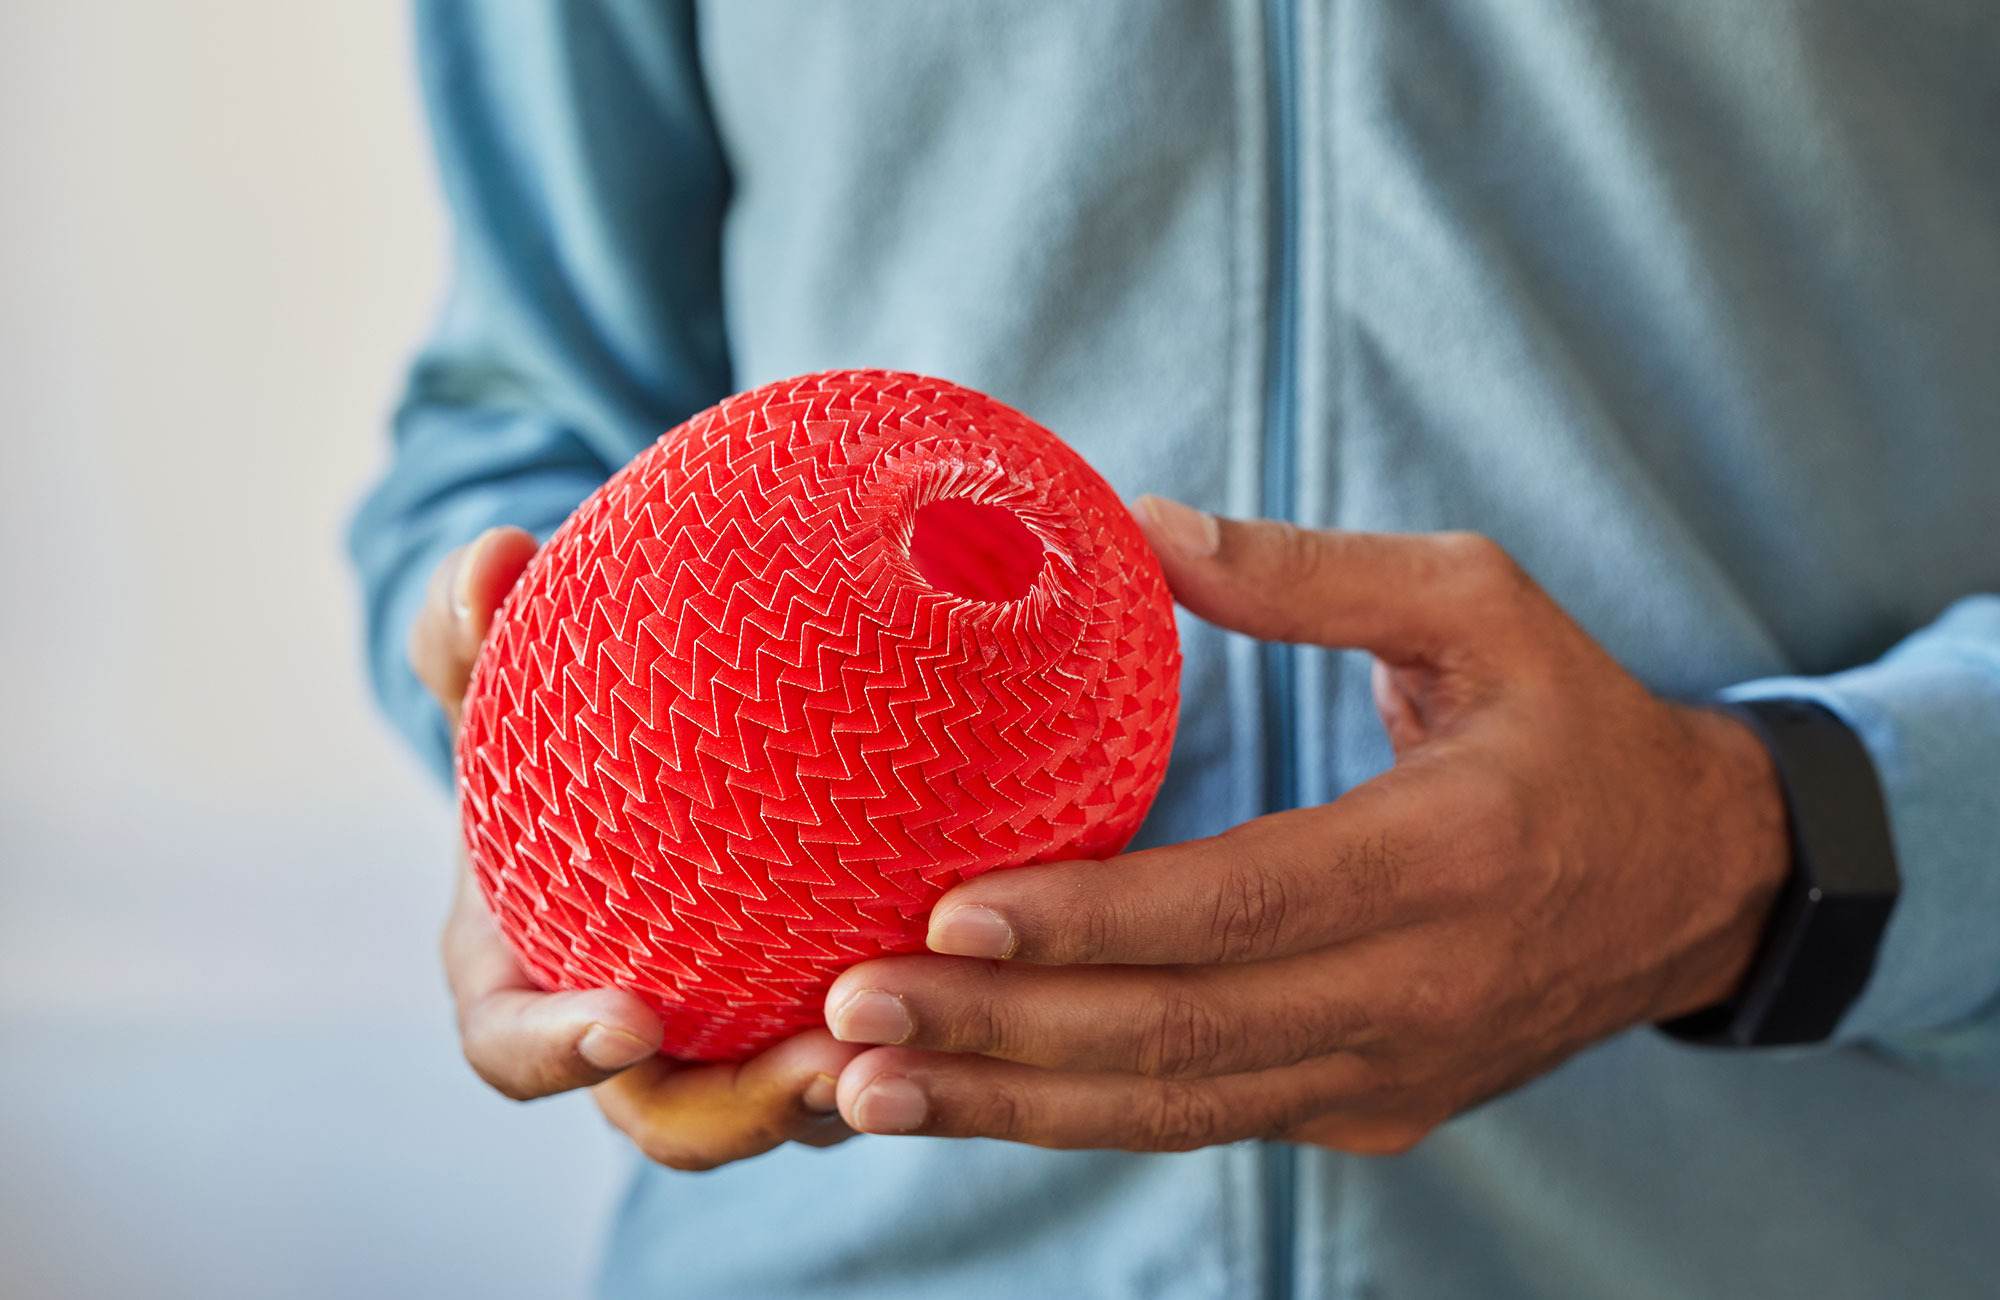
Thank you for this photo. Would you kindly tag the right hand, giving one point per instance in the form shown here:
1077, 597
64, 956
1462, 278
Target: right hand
528, 1043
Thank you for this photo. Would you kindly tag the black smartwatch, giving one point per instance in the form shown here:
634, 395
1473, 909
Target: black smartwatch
1819, 946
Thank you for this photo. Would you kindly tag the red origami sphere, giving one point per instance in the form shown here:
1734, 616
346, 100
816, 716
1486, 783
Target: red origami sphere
813, 658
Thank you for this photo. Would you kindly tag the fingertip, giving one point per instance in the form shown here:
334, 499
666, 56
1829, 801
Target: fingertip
865, 1062
875, 974
611, 1049
793, 1066
822, 1093
610, 1030
1020, 914
1177, 530
461, 582
487, 571
528, 1043
877, 1092
618, 1010
972, 930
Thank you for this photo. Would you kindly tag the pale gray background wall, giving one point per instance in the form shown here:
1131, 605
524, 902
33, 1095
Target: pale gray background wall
225, 1067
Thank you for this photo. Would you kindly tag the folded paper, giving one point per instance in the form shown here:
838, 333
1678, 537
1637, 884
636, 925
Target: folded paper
819, 654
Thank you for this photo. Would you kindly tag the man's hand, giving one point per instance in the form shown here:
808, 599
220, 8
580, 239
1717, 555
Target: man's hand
1556, 856
528, 1043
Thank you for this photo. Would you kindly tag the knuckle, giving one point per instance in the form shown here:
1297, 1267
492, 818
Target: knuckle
1182, 1037
1477, 556
1505, 803
985, 1027
1250, 911
1297, 553
1003, 1113
1443, 1002
1448, 1007
1092, 934
1318, 1029
1497, 793
1370, 873
1424, 999
1501, 817
1182, 1117
1379, 1074
1479, 569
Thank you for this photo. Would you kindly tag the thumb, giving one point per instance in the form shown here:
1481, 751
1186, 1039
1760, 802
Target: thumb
1407, 597
465, 590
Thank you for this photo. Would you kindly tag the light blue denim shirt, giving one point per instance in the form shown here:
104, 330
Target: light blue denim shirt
1692, 304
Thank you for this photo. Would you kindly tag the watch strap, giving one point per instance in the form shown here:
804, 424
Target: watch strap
1819, 946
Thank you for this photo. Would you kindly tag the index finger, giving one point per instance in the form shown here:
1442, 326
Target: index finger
1287, 883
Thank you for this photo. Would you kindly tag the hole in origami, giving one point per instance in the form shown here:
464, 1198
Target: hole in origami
974, 550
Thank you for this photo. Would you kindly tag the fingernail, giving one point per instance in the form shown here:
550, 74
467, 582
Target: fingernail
1194, 533
891, 1105
872, 1016
972, 931
612, 1049
461, 583
819, 1094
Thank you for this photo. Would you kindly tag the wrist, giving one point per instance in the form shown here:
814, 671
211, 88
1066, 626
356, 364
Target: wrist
1739, 855
1841, 885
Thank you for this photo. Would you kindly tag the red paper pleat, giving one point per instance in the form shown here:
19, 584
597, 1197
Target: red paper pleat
819, 654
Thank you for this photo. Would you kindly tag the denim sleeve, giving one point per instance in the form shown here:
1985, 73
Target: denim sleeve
586, 187
1929, 714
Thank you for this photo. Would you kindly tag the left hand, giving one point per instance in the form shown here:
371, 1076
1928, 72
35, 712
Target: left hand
1556, 856
527, 1042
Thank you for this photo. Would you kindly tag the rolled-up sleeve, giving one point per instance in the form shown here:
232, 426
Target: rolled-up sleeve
1929, 714
586, 188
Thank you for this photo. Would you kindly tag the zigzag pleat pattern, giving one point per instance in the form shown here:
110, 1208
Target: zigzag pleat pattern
724, 739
